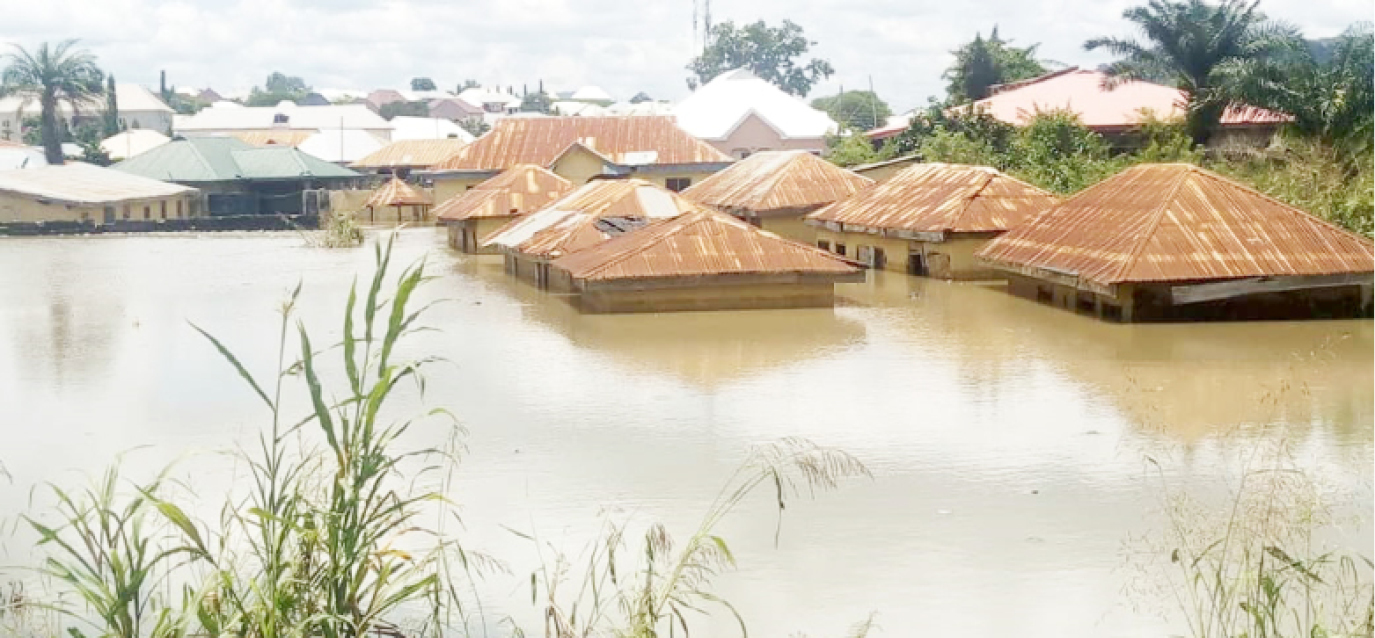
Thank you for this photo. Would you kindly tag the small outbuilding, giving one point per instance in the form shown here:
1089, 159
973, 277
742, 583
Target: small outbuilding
929, 219
583, 218
1175, 241
775, 190
702, 260
411, 203
126, 144
78, 192
476, 213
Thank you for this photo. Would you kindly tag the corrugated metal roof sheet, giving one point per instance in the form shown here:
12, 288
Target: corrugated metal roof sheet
940, 198
218, 159
701, 243
516, 191
411, 154
540, 140
777, 180
570, 224
80, 183
1177, 222
397, 193
273, 138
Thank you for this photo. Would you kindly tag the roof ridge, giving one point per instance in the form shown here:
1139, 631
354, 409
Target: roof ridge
976, 191
1154, 223
196, 149
1293, 210
658, 238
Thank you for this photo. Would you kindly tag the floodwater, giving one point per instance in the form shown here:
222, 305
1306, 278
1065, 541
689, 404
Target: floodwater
1008, 442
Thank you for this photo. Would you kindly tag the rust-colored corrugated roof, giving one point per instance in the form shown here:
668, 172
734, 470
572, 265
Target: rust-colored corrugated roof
777, 180
638, 140
1177, 222
273, 138
701, 243
397, 193
411, 154
516, 191
587, 216
940, 198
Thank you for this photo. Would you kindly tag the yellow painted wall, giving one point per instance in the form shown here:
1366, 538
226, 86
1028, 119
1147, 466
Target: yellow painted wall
17, 207
475, 230
718, 297
754, 135
447, 187
578, 166
790, 228
882, 173
953, 259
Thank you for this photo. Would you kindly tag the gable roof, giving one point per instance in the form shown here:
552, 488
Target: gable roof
411, 153
405, 127
701, 243
218, 159
940, 198
541, 140
575, 221
397, 193
341, 146
777, 180
281, 137
333, 116
516, 191
1177, 222
81, 183
126, 144
716, 108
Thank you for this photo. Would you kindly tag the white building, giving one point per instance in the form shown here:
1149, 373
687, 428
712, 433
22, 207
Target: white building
341, 146
740, 114
138, 109
126, 144
285, 116
492, 102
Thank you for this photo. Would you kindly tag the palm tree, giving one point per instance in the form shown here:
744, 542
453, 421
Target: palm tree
52, 75
1203, 47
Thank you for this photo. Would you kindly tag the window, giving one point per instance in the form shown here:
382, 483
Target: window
840, 248
678, 184
163, 206
147, 212
865, 254
126, 211
823, 244
179, 215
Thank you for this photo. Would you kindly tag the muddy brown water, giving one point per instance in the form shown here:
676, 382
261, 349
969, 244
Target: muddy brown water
1008, 441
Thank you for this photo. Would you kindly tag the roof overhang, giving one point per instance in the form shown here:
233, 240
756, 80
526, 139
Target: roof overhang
721, 279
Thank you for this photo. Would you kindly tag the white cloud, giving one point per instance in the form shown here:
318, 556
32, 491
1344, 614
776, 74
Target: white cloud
625, 46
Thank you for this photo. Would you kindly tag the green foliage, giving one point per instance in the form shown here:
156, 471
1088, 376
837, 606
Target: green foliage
969, 122
958, 148
468, 84
88, 136
422, 84
412, 109
853, 149
1058, 153
537, 102
110, 118
52, 76
1207, 50
277, 88
982, 63
855, 110
641, 97
474, 126
769, 52
1315, 177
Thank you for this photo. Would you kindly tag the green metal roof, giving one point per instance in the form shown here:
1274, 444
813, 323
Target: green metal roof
221, 159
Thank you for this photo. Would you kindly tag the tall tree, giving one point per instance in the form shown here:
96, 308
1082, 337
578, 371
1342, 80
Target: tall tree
854, 110
110, 118
538, 102
277, 88
769, 52
52, 76
422, 84
1206, 48
641, 97
982, 63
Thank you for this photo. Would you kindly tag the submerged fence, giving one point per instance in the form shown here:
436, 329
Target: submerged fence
196, 224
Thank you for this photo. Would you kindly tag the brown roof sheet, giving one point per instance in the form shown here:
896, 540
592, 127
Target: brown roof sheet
1177, 222
777, 180
701, 243
940, 198
587, 216
411, 153
273, 138
397, 193
624, 140
518, 190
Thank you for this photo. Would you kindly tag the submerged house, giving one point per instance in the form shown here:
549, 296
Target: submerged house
411, 204
583, 218
776, 189
1164, 241
240, 179
473, 215
929, 219
651, 148
78, 192
701, 260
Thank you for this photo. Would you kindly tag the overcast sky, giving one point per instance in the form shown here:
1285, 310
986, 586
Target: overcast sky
624, 46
